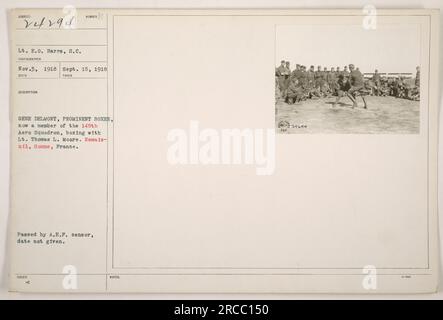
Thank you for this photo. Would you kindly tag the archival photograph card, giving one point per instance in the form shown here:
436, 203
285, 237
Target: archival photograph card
224, 151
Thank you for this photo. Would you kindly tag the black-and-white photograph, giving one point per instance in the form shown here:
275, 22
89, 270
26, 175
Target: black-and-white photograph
347, 79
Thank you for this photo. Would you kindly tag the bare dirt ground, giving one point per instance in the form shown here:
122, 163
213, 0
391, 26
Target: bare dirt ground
384, 115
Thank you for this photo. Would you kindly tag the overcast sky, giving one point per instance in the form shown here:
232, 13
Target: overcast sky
389, 48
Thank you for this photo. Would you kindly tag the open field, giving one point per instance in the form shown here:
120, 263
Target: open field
384, 115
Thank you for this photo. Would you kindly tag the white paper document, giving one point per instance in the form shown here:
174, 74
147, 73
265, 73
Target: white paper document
238, 151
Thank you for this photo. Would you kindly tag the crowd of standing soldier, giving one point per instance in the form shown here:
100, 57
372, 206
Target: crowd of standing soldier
302, 83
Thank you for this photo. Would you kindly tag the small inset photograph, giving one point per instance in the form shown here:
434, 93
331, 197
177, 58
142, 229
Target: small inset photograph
347, 79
